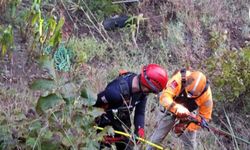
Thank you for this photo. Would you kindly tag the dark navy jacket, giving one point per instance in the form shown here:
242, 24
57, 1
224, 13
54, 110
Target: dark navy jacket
112, 95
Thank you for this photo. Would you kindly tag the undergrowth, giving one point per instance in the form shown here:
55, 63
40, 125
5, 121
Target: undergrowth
58, 114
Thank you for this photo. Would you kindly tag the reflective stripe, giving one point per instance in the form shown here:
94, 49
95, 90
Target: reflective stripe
197, 83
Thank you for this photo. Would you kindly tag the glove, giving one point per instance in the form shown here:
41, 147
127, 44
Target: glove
179, 128
141, 134
179, 110
199, 120
202, 122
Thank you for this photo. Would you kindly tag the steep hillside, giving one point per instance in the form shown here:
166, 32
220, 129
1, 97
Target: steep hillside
56, 54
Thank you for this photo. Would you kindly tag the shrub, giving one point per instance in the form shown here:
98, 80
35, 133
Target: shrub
229, 71
103, 8
86, 49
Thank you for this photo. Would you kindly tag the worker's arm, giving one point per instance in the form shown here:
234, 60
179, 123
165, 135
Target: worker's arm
110, 97
205, 104
173, 89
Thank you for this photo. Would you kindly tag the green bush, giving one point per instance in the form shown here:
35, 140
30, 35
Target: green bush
103, 8
62, 118
229, 71
86, 49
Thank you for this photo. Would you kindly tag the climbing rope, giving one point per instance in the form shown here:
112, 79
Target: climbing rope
130, 136
62, 57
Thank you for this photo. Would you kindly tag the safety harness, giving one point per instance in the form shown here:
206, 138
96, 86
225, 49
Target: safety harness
124, 84
182, 98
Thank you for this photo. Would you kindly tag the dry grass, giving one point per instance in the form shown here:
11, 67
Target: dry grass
182, 43
3, 4
15, 102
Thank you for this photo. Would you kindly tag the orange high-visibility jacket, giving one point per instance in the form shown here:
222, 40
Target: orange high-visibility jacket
173, 89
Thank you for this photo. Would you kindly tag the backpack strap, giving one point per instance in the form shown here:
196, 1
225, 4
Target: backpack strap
124, 88
124, 84
183, 80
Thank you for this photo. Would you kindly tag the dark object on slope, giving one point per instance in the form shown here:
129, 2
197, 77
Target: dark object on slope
115, 22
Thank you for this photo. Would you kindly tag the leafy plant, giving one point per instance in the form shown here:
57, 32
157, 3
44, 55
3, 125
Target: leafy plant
65, 122
6, 39
229, 73
100, 8
42, 29
86, 49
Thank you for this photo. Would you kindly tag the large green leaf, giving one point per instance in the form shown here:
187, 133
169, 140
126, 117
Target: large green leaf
88, 97
43, 84
48, 63
69, 91
48, 102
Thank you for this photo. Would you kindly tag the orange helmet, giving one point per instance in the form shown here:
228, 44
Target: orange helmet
195, 84
154, 77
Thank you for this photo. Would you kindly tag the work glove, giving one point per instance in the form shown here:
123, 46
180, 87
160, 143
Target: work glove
197, 119
141, 134
180, 111
201, 121
179, 128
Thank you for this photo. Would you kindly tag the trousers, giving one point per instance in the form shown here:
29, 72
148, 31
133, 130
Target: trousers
164, 125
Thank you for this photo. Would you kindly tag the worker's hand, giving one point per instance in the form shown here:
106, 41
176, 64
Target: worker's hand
201, 121
179, 128
197, 119
141, 134
181, 111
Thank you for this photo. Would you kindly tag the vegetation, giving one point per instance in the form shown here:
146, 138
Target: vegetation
60, 56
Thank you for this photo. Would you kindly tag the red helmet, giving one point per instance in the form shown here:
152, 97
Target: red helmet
154, 77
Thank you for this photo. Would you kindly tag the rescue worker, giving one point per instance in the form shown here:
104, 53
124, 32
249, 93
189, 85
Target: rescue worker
188, 91
122, 95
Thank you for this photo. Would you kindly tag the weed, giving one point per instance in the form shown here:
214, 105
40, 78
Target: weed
86, 49
6, 40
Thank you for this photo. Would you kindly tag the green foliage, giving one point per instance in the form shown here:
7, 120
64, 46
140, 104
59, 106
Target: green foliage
47, 102
103, 8
41, 29
88, 96
6, 39
230, 74
43, 84
13, 7
47, 63
56, 32
66, 124
9, 7
86, 49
